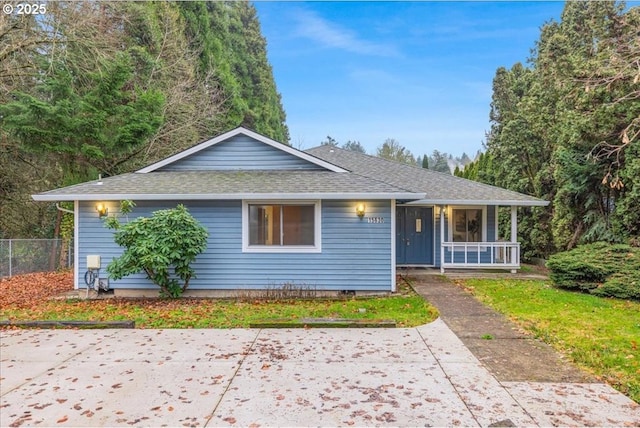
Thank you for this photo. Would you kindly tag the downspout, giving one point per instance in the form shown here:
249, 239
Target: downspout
63, 209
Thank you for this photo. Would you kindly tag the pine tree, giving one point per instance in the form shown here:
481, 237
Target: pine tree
425, 162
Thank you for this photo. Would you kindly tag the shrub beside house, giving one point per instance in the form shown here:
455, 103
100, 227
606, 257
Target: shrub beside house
602, 269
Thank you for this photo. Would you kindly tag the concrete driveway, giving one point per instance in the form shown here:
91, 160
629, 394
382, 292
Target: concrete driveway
251, 377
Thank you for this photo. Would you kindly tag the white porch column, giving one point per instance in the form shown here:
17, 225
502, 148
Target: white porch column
442, 239
76, 244
393, 246
514, 235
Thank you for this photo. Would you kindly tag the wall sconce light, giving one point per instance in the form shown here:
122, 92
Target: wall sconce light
360, 210
102, 209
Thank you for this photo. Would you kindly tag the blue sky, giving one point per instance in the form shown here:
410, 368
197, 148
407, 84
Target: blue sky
418, 72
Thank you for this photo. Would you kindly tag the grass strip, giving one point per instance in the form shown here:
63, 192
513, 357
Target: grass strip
407, 310
601, 335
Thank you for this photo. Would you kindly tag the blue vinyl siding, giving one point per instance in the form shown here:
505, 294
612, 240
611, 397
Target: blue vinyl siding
240, 153
356, 255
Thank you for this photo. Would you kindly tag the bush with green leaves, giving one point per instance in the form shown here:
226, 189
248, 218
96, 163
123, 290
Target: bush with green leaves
163, 246
603, 269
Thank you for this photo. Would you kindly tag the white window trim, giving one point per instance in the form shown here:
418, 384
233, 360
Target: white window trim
317, 248
483, 238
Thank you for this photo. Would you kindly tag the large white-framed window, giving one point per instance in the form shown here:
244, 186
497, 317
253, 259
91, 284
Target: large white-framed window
281, 226
468, 224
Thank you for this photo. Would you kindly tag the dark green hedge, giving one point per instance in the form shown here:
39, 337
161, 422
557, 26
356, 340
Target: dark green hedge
603, 269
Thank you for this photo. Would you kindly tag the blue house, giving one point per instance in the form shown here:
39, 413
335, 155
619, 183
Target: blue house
324, 218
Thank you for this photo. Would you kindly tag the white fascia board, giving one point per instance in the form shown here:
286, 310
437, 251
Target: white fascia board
223, 196
248, 133
462, 202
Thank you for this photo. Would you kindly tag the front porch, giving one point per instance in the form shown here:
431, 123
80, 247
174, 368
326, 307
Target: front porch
456, 236
481, 254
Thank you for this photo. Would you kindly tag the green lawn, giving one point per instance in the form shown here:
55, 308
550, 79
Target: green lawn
406, 310
599, 334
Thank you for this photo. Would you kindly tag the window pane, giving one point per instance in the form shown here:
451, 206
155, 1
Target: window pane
298, 224
281, 225
459, 225
474, 225
264, 224
467, 225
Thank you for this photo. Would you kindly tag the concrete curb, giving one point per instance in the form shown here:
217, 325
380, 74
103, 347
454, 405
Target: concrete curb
322, 323
69, 324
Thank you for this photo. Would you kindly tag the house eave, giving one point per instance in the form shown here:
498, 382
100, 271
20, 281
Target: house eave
504, 202
224, 196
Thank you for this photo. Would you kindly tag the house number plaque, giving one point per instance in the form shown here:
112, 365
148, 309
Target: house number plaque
375, 219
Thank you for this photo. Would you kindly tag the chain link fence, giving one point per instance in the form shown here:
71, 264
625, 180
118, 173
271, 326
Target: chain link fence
19, 256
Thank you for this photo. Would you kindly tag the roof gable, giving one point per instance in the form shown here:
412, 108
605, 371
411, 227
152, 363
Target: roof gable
240, 149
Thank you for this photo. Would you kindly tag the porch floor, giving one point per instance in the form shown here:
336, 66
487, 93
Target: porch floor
533, 272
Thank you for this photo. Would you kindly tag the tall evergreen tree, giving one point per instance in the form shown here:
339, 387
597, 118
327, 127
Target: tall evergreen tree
231, 45
105, 87
425, 162
565, 128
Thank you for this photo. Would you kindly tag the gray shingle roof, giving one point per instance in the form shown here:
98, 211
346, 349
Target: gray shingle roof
357, 176
439, 188
230, 185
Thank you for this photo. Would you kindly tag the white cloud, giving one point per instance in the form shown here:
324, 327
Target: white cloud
329, 34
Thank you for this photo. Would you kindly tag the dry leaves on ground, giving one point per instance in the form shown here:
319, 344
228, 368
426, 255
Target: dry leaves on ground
23, 290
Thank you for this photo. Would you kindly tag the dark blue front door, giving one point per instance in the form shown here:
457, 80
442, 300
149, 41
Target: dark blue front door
414, 235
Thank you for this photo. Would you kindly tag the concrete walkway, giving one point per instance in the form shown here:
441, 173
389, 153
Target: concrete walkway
250, 377
508, 352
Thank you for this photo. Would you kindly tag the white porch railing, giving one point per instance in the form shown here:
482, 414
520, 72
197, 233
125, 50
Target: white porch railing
497, 255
